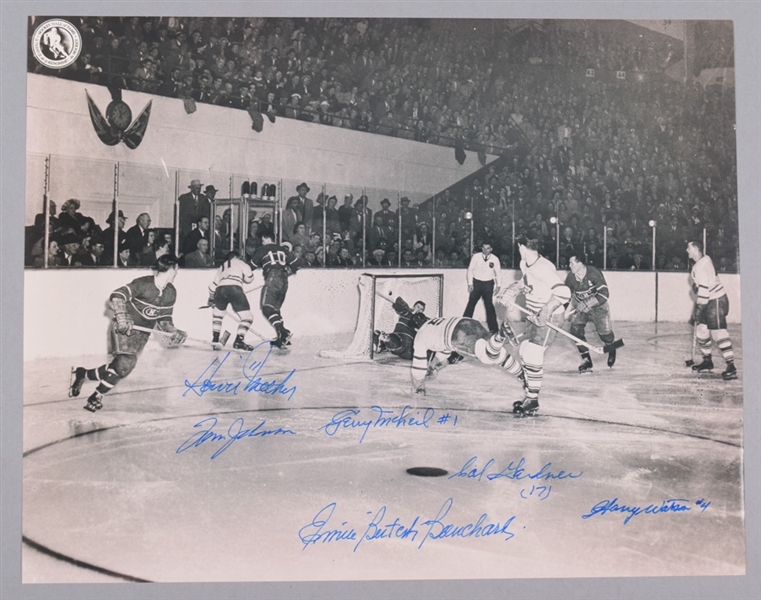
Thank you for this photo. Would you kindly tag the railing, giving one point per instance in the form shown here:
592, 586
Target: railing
343, 225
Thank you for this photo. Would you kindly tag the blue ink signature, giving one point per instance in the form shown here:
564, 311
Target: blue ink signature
672, 505
349, 419
513, 471
542, 492
318, 531
234, 432
255, 381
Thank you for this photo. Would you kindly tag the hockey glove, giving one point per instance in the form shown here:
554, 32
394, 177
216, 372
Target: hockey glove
540, 319
178, 337
400, 306
587, 304
124, 322
210, 301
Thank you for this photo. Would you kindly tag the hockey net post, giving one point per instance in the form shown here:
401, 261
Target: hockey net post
377, 294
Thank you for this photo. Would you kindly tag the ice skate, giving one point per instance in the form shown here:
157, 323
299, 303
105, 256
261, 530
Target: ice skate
239, 344
526, 408
611, 357
454, 358
730, 372
216, 344
705, 366
586, 366
94, 402
379, 340
78, 379
283, 338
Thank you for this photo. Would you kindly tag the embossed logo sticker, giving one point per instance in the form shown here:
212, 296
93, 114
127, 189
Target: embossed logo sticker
56, 44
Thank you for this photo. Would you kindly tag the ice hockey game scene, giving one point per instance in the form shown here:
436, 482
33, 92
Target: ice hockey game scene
366, 299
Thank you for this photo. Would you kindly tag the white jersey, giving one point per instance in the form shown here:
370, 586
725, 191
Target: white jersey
704, 277
483, 268
234, 271
541, 282
436, 336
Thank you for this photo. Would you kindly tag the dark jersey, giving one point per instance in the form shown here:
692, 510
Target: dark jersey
592, 284
147, 304
408, 322
273, 257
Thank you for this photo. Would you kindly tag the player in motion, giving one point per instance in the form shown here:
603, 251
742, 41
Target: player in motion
440, 338
227, 290
53, 39
277, 263
710, 312
400, 342
589, 301
546, 296
148, 302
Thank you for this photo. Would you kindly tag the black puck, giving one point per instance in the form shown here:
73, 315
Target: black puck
427, 472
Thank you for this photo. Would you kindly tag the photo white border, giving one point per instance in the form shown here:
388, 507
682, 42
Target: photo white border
13, 23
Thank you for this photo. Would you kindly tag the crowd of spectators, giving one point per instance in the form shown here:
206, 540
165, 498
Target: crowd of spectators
604, 158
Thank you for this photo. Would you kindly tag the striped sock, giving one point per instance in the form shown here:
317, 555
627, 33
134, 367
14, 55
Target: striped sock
725, 345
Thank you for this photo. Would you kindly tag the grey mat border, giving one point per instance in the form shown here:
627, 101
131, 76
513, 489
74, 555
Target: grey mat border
747, 18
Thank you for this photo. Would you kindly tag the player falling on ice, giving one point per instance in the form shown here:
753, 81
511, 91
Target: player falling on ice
277, 263
227, 290
589, 302
440, 338
400, 341
710, 312
146, 302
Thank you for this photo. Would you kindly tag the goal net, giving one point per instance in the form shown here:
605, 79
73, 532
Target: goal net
376, 297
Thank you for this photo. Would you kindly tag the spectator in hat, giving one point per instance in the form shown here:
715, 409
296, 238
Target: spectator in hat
387, 218
70, 218
345, 212
211, 192
123, 259
193, 204
70, 257
97, 252
108, 235
304, 205
406, 217
376, 258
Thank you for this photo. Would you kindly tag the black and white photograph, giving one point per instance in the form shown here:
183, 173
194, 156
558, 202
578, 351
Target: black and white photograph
360, 298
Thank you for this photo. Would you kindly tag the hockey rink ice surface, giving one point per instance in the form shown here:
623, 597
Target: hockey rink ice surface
108, 497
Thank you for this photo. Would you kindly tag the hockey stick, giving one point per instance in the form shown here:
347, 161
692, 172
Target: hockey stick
251, 329
168, 334
604, 350
258, 287
691, 361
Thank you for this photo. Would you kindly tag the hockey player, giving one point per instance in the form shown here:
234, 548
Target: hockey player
277, 263
227, 290
589, 301
710, 312
400, 342
546, 296
148, 302
442, 337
